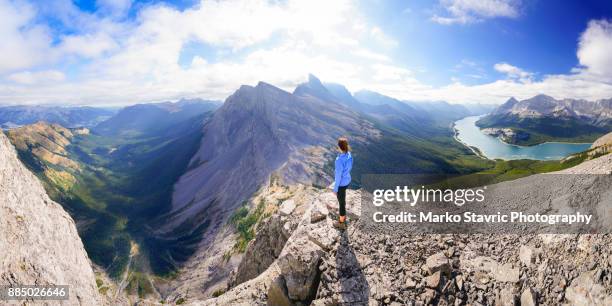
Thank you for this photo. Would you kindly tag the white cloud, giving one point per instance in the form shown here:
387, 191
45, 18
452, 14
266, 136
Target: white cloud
595, 49
38, 77
129, 61
513, 72
87, 45
469, 11
23, 43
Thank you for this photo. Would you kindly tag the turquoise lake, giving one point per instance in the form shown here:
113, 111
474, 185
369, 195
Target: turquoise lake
492, 147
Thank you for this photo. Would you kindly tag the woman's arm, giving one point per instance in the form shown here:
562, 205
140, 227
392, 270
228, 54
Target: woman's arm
337, 174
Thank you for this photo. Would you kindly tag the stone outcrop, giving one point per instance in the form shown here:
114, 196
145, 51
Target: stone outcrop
507, 135
39, 243
360, 267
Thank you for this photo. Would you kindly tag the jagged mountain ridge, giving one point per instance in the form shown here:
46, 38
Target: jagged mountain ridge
598, 113
256, 132
543, 118
39, 242
389, 111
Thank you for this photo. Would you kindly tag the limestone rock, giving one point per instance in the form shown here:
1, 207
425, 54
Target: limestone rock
287, 207
410, 283
526, 255
322, 236
318, 212
299, 265
39, 243
507, 297
438, 262
584, 290
277, 293
433, 281
529, 297
506, 273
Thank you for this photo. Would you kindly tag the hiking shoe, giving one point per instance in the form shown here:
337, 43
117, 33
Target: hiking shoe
340, 225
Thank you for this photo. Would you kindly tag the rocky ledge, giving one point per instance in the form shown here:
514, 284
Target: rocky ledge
321, 265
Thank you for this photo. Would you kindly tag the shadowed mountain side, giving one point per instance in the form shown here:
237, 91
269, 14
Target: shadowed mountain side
154, 118
255, 133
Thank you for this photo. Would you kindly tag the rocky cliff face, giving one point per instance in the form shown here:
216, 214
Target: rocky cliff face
260, 134
257, 132
39, 243
323, 266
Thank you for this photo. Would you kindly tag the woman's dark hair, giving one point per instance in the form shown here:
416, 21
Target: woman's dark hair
343, 144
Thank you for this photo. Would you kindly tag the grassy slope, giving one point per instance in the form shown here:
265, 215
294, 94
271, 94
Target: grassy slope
397, 152
507, 170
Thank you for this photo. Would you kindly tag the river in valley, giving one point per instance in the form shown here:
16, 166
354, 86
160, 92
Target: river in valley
492, 147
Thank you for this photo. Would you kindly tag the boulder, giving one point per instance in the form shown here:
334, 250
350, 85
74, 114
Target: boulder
529, 297
438, 262
506, 297
322, 235
526, 255
287, 207
433, 281
277, 293
318, 212
299, 264
506, 273
410, 283
584, 290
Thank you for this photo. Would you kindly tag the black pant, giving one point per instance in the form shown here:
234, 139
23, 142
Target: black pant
341, 195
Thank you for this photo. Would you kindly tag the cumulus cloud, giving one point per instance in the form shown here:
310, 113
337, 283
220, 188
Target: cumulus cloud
37, 77
119, 61
513, 72
469, 11
23, 44
595, 49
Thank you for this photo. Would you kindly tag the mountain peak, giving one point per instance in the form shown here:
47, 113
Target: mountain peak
314, 88
312, 79
541, 97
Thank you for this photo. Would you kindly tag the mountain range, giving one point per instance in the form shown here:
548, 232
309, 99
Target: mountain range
167, 189
543, 118
263, 133
166, 177
84, 116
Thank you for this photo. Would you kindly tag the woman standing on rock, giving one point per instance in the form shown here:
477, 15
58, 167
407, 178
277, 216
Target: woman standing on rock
344, 164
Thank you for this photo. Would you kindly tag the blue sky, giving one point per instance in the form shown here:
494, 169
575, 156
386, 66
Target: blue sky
103, 52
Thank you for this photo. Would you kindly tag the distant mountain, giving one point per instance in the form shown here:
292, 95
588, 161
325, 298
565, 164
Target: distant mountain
419, 118
15, 116
153, 118
543, 118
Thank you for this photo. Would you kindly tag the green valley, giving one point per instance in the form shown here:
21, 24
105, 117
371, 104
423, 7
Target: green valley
115, 185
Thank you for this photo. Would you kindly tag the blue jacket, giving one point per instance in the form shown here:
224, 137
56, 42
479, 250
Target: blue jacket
344, 164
